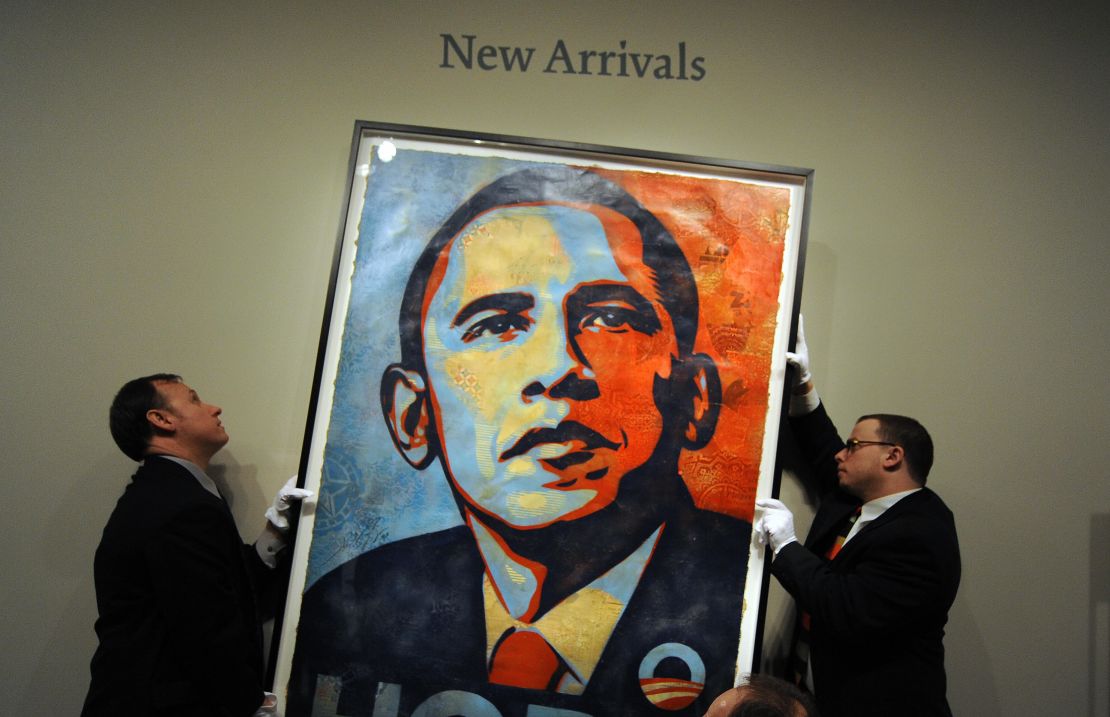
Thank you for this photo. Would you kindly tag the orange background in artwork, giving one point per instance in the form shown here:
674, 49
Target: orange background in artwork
733, 236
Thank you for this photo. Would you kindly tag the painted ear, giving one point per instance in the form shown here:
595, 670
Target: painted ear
405, 406
703, 386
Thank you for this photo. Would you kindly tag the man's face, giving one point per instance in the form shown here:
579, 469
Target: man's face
196, 423
543, 339
860, 471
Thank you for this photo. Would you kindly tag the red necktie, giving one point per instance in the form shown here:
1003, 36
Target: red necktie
843, 535
524, 659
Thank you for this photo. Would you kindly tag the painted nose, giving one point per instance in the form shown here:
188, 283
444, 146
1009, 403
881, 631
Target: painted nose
563, 376
570, 387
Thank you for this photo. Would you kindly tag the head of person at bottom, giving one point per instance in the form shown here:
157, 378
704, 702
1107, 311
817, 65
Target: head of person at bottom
547, 361
884, 454
763, 696
162, 415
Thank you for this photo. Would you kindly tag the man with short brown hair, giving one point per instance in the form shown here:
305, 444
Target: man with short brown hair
880, 568
180, 625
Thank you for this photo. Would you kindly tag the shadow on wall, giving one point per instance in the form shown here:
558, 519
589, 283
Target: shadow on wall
1099, 616
778, 626
972, 687
238, 484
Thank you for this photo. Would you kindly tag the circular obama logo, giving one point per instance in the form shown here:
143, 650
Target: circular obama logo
672, 676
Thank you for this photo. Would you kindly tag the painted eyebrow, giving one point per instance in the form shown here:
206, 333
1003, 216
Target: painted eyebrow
598, 293
509, 303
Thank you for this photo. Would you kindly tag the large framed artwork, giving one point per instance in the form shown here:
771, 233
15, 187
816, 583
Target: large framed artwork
548, 394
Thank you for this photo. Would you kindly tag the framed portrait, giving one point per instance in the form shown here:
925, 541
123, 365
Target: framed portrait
548, 394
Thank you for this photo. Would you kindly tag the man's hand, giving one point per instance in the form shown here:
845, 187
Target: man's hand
803, 396
775, 526
278, 513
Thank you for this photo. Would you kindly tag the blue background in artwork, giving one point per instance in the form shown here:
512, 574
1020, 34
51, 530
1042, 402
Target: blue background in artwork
369, 495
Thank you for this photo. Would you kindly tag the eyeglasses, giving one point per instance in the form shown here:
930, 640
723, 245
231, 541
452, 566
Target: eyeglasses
852, 444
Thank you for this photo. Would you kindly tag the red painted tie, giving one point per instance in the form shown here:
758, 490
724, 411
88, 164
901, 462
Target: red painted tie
524, 659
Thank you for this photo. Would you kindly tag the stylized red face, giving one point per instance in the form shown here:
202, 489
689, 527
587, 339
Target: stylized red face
544, 337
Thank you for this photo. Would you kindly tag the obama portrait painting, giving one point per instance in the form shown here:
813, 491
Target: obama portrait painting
588, 550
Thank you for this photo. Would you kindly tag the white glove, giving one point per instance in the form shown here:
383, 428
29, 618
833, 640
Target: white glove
268, 708
798, 360
278, 513
775, 526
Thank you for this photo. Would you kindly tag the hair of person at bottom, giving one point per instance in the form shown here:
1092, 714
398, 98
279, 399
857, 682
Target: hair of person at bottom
767, 696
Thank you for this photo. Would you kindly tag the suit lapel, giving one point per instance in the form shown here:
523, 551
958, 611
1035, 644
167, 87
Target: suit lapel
827, 523
868, 532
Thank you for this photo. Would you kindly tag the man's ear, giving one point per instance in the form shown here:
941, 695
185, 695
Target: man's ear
895, 458
405, 406
161, 420
702, 384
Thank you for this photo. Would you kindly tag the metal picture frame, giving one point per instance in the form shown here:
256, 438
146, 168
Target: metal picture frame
548, 394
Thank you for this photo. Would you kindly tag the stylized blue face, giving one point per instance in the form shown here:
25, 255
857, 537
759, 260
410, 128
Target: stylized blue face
544, 336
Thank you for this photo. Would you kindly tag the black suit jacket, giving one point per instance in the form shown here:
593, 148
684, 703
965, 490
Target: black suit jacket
411, 613
178, 627
879, 608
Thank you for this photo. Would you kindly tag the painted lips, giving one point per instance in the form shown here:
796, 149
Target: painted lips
588, 439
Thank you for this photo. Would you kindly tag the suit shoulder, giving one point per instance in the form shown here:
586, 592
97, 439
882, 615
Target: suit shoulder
920, 524
362, 603
430, 558
163, 492
702, 547
928, 506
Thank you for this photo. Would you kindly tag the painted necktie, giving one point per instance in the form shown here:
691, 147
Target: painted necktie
524, 659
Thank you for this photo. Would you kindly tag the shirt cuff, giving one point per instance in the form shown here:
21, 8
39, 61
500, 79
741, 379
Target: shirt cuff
268, 545
803, 404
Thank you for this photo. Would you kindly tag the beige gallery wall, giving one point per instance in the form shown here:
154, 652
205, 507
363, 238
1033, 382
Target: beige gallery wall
171, 187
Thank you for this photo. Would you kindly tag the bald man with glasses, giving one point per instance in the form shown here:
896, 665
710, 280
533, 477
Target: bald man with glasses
879, 570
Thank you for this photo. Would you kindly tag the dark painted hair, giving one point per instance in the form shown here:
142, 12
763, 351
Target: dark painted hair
557, 185
912, 436
127, 417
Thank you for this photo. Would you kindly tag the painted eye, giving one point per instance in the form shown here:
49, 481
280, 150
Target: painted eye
605, 318
504, 326
614, 319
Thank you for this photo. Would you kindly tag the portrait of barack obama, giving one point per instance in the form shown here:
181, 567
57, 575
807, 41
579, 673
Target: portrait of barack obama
547, 365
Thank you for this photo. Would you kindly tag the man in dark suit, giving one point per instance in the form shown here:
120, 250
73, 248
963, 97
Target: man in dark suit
547, 363
179, 623
879, 569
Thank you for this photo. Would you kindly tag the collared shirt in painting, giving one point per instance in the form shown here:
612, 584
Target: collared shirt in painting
579, 627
